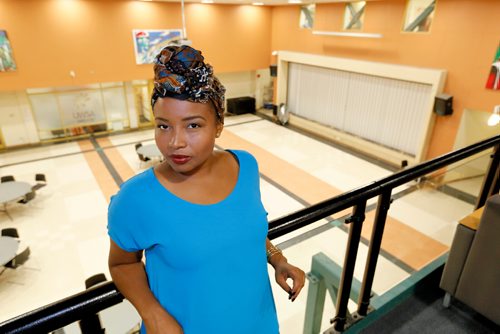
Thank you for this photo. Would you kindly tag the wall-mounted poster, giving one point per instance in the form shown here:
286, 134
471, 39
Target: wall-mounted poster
493, 81
148, 43
6, 60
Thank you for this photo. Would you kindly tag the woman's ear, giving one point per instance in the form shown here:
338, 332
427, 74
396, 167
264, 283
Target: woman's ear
219, 130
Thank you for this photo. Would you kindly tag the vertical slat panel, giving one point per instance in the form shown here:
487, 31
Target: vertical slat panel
386, 111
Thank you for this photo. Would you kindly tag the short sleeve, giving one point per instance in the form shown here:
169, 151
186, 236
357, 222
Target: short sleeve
252, 173
126, 214
122, 225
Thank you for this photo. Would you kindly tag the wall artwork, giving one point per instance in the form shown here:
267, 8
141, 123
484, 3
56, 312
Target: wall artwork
148, 43
493, 81
6, 60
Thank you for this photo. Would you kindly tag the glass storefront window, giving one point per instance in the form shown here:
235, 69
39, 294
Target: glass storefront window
116, 108
142, 105
71, 111
47, 117
81, 108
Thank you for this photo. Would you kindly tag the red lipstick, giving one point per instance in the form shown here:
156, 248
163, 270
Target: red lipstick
180, 159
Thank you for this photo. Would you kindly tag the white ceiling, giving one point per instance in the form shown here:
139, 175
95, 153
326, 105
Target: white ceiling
248, 2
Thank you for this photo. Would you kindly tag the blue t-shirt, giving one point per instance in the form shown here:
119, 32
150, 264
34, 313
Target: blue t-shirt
206, 264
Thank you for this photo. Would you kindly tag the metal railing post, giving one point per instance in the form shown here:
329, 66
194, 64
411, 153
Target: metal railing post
384, 202
356, 221
491, 179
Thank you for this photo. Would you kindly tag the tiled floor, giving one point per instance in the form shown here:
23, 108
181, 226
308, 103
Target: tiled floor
65, 225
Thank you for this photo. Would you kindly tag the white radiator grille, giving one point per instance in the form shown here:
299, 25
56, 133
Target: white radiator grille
390, 112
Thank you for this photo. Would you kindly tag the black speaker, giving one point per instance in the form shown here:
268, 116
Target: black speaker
443, 104
273, 70
241, 105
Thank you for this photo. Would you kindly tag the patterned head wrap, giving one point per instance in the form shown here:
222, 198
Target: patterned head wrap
180, 73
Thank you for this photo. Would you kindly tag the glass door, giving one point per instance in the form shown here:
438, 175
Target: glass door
142, 99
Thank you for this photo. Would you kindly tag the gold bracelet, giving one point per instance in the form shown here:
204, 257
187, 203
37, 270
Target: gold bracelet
273, 250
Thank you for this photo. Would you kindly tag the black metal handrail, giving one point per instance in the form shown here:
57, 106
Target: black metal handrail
91, 301
63, 312
301, 218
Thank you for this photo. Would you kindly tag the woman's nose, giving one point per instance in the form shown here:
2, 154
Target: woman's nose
178, 139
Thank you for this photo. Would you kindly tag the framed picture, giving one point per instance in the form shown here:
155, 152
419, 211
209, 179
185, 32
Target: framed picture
148, 43
493, 81
6, 60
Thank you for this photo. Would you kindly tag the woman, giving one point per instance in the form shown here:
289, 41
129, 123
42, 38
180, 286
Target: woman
198, 218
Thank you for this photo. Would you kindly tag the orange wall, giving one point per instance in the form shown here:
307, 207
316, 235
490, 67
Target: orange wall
93, 38
463, 40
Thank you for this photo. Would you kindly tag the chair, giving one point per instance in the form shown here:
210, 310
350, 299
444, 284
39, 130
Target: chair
94, 280
142, 157
22, 255
7, 178
28, 197
92, 324
472, 272
10, 232
41, 182
19, 259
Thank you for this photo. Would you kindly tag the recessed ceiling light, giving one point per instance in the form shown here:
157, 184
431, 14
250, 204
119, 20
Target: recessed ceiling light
258, 3
207, 1
294, 1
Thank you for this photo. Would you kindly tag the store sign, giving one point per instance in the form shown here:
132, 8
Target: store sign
82, 108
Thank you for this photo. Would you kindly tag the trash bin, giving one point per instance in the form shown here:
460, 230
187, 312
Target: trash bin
241, 105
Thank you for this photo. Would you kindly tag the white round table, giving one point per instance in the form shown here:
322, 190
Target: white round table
13, 190
8, 249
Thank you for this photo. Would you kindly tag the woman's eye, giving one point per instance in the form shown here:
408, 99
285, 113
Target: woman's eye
162, 126
193, 126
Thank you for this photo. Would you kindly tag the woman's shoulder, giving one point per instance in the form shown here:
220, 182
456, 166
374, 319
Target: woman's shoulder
136, 183
242, 155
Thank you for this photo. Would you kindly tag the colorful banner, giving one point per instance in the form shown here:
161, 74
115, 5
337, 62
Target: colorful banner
493, 81
6, 60
148, 43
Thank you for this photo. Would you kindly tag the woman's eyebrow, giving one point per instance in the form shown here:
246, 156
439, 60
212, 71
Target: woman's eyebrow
189, 118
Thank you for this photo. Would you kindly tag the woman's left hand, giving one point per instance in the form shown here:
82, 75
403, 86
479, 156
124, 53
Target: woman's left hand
283, 271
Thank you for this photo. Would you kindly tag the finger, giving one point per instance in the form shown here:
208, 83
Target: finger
298, 283
296, 293
281, 280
